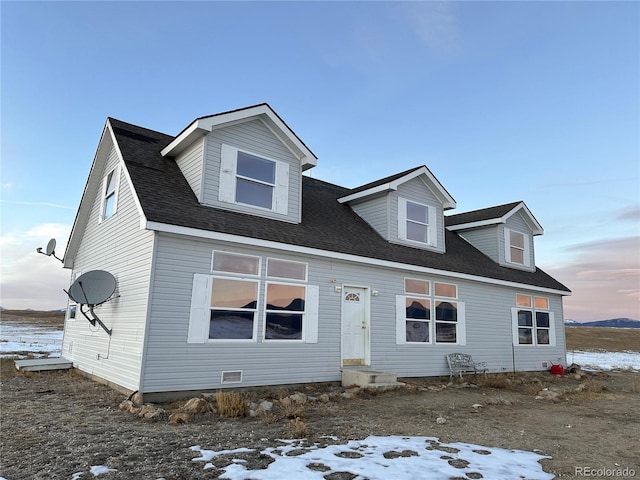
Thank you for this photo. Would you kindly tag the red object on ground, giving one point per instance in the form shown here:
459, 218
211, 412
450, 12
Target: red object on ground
557, 369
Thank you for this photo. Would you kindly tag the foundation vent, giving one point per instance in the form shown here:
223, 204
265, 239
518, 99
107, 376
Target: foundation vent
232, 377
545, 365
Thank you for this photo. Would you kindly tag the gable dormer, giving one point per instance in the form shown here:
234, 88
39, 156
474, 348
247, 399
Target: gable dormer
245, 160
406, 208
504, 233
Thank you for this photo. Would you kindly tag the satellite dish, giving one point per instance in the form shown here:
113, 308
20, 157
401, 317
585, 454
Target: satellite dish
93, 288
51, 247
50, 251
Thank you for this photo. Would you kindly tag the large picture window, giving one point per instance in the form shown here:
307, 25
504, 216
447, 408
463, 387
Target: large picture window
532, 321
285, 307
233, 309
426, 316
238, 303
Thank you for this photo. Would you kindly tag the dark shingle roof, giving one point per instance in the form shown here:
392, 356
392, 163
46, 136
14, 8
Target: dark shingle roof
382, 181
166, 197
480, 215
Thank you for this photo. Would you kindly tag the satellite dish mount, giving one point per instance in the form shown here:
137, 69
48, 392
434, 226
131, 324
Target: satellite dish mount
50, 251
93, 289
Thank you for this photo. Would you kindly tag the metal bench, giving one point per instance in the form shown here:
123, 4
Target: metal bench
460, 363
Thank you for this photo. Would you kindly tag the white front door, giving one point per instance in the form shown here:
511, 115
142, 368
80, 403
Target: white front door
355, 326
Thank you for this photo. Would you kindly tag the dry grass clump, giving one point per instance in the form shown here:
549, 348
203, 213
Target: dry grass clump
290, 408
231, 404
496, 380
298, 429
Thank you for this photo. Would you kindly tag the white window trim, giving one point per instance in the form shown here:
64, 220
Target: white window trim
116, 194
200, 310
507, 247
534, 328
254, 334
306, 270
303, 313
229, 176
237, 274
401, 316
432, 229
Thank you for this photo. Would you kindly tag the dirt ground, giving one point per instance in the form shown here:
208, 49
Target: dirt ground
57, 423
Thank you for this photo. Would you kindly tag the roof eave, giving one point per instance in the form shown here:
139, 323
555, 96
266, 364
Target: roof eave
448, 201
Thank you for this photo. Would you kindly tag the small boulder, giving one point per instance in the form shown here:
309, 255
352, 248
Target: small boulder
441, 420
298, 398
179, 417
196, 405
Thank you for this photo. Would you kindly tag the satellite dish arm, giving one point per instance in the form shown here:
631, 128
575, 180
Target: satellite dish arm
95, 319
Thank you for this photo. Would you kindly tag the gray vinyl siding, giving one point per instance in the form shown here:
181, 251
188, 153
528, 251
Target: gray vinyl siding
254, 137
416, 191
190, 163
375, 211
172, 364
516, 222
118, 246
484, 239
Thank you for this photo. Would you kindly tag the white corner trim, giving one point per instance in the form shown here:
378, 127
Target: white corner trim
256, 242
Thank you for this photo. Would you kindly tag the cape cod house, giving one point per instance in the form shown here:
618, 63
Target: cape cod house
234, 269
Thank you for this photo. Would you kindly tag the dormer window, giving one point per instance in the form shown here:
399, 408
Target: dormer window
517, 247
416, 222
253, 180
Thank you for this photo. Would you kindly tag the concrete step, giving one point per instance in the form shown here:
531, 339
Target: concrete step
368, 378
41, 364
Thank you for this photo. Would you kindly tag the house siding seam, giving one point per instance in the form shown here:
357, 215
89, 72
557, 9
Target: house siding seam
191, 166
375, 212
256, 138
484, 239
118, 246
173, 365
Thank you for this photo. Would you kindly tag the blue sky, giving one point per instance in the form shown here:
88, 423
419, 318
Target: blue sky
503, 101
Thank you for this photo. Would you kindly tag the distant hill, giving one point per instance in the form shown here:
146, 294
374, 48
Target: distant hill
614, 322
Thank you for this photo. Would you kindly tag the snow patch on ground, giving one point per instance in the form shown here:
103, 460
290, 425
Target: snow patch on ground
381, 458
605, 360
18, 339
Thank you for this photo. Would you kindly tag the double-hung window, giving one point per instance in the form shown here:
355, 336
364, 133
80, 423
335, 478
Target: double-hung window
517, 249
252, 180
417, 223
110, 194
426, 315
532, 321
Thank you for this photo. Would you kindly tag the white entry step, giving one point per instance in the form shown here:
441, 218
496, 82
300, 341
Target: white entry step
40, 364
368, 378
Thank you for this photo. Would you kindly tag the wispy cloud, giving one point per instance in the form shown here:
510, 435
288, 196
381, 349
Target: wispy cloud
631, 214
436, 25
38, 204
604, 277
